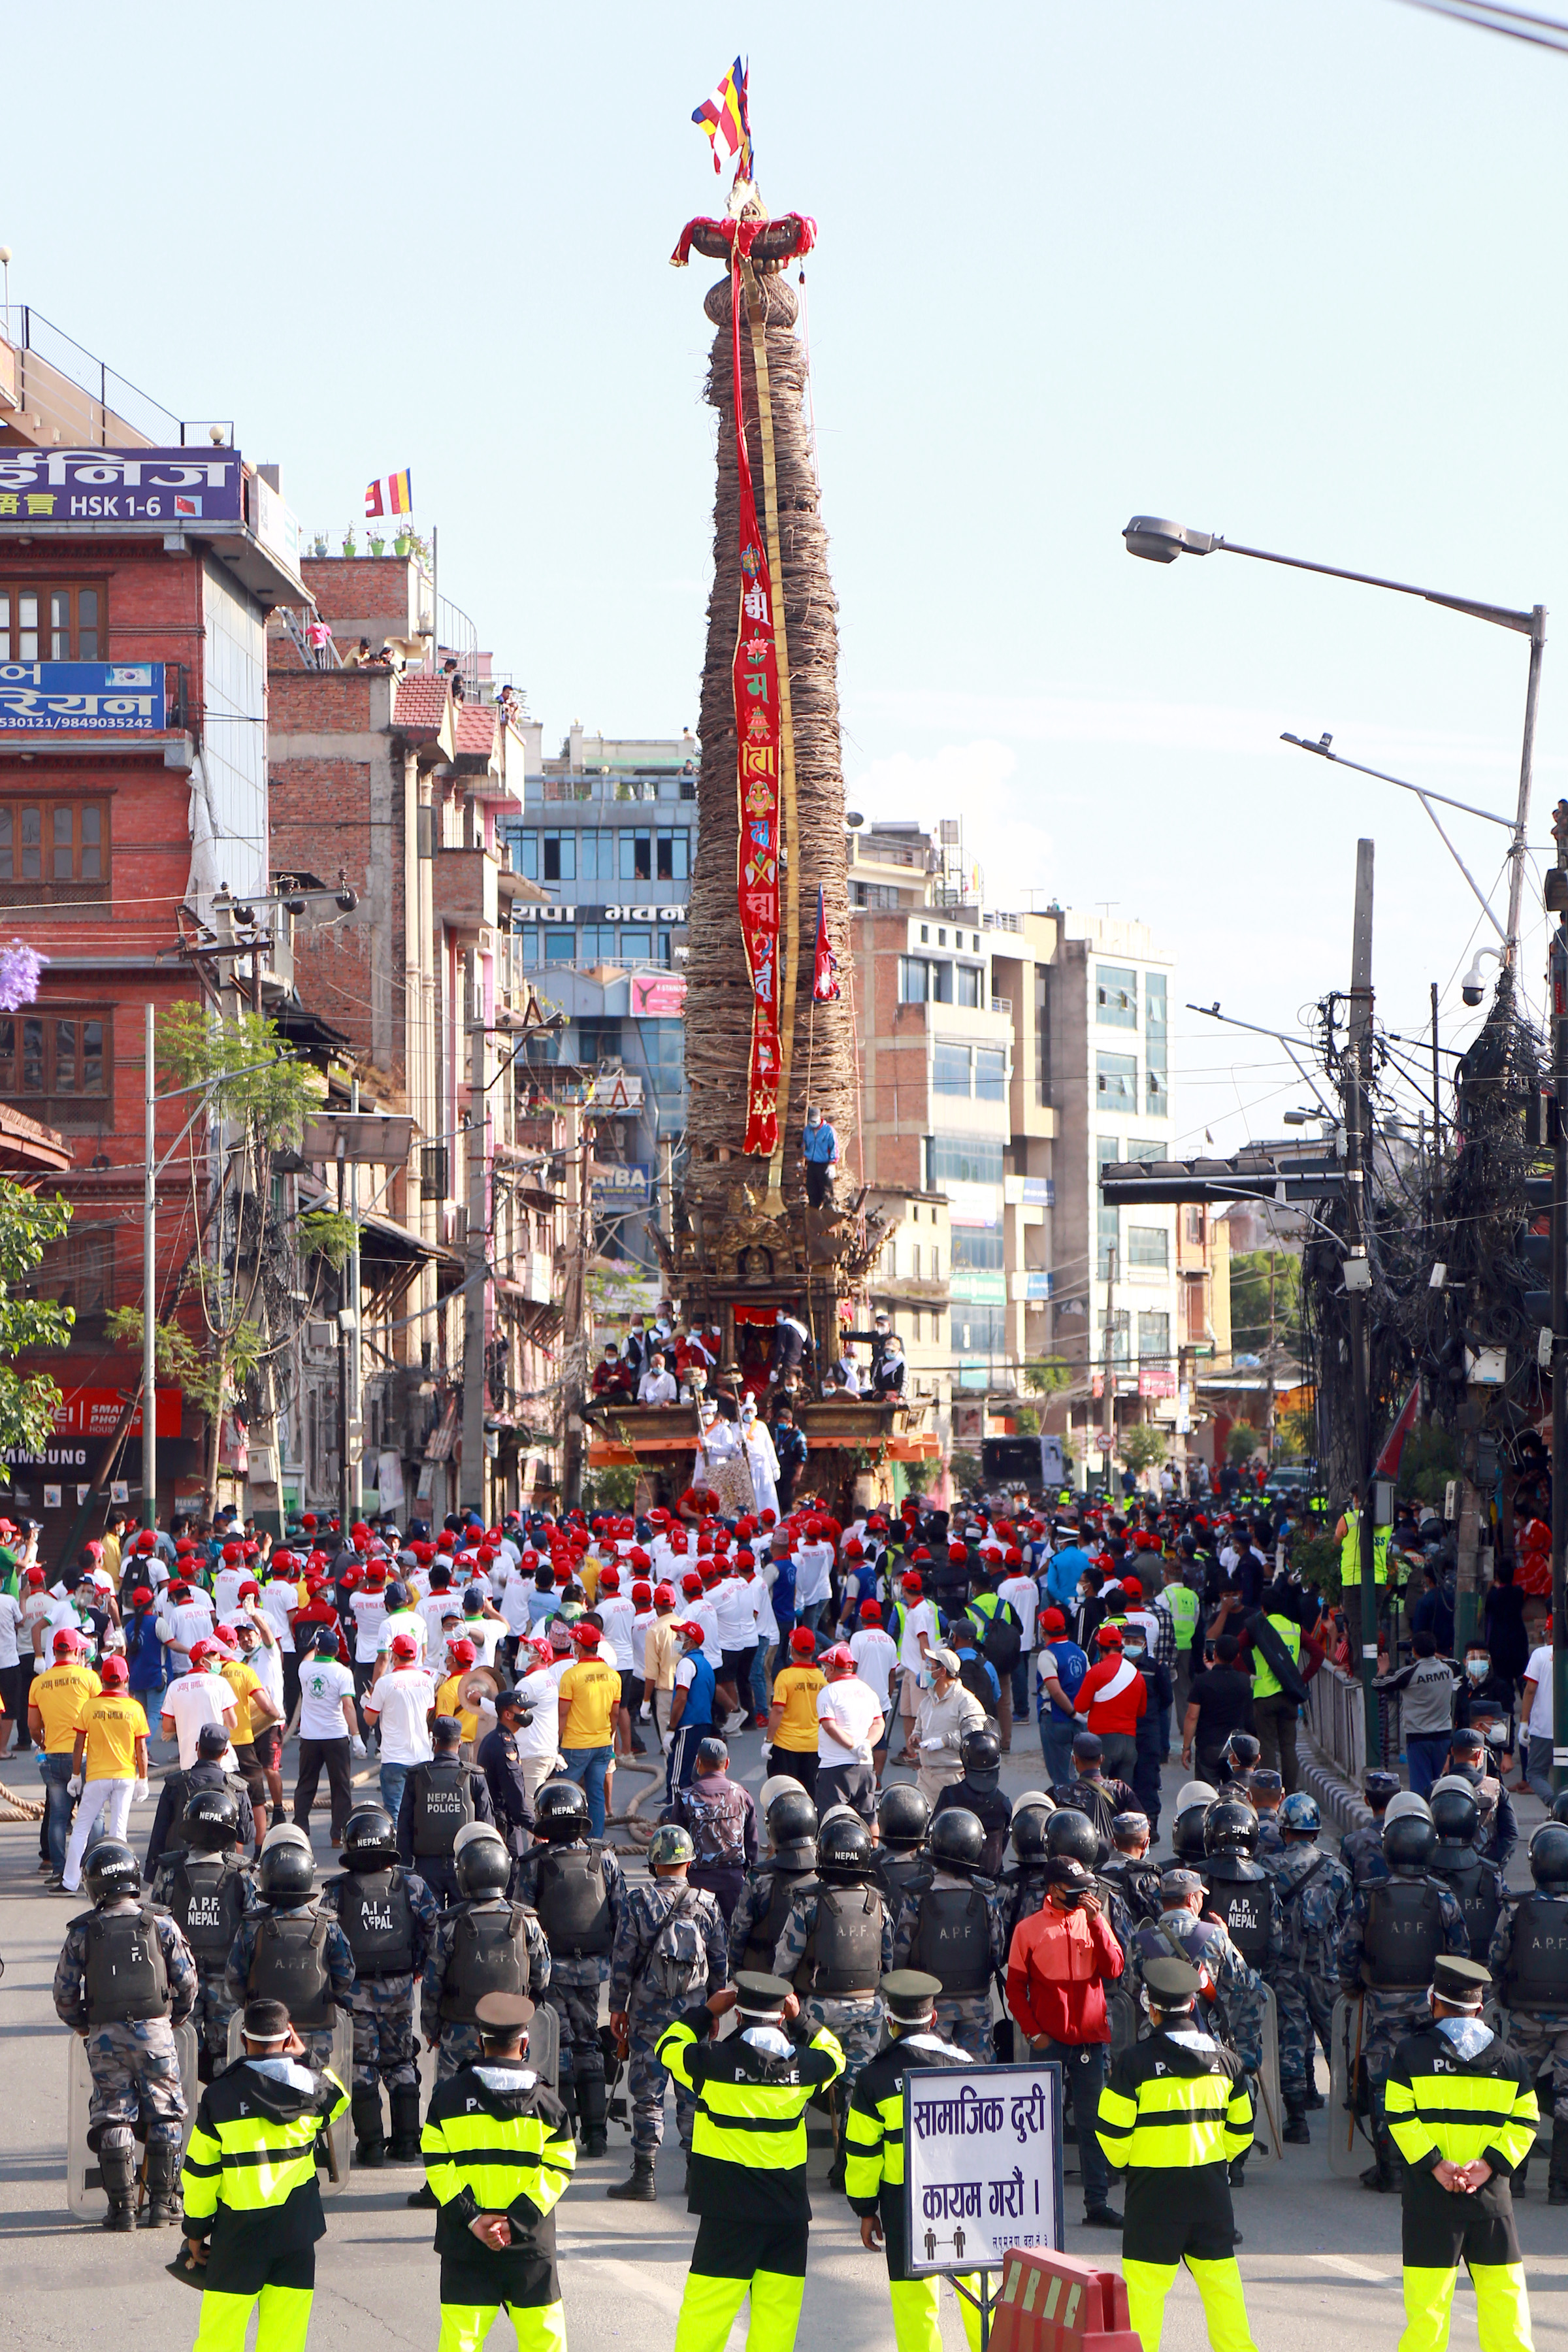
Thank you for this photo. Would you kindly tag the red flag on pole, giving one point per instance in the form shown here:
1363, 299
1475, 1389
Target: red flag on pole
825, 977
1394, 1447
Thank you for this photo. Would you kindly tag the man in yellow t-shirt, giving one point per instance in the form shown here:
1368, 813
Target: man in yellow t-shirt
55, 1702
792, 1717
589, 1693
462, 1657
109, 1765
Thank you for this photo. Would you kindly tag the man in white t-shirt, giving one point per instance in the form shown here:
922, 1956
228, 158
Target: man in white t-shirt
13, 1705
875, 1652
813, 1580
400, 1707
198, 1698
921, 1634
329, 1733
1018, 1590
538, 1678
232, 1573
368, 1609
184, 1618
851, 1725
1535, 1713
401, 1617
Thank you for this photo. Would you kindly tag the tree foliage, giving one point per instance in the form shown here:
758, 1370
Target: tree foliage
215, 1379
28, 1401
1142, 1446
329, 1233
1249, 1274
1242, 1443
246, 1066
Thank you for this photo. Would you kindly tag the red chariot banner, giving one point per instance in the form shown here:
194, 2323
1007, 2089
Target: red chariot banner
756, 691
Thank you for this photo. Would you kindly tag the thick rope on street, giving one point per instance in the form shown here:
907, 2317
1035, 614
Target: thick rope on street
14, 1808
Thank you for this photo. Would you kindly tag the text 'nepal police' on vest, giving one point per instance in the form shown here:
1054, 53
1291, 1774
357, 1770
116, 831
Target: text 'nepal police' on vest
575, 1887
124, 1979
747, 2169
669, 1951
441, 1799
388, 1917
837, 1946
252, 2204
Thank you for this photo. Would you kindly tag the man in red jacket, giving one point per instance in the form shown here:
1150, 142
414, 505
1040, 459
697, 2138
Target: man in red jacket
1111, 1696
1060, 1961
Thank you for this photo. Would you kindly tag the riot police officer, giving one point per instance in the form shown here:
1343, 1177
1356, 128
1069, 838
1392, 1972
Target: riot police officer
1192, 1802
950, 1928
1130, 1871
836, 1948
208, 1889
1361, 1850
1397, 1927
903, 1816
287, 1949
388, 1915
1529, 1957
1231, 2003
979, 1792
758, 1920
124, 1979
1022, 1886
1314, 1894
574, 1885
1242, 1898
1478, 1885
440, 1800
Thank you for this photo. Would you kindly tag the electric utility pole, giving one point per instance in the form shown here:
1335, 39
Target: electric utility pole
1357, 1081
1557, 904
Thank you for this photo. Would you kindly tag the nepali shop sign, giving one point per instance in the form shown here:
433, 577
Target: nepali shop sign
153, 488
65, 698
983, 2164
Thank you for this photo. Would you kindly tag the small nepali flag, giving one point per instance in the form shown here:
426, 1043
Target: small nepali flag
392, 496
725, 120
825, 978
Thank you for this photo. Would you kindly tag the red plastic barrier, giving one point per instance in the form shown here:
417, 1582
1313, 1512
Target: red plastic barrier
1051, 2302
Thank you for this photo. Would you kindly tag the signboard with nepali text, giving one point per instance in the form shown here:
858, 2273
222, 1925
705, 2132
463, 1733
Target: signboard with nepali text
156, 490
62, 698
983, 2164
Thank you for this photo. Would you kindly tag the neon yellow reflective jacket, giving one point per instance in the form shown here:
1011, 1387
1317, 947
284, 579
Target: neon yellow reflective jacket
751, 2105
253, 2147
1170, 2107
1442, 2105
495, 2134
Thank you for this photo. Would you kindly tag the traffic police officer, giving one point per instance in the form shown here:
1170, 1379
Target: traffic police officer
441, 1798
252, 2206
208, 1890
499, 2150
758, 1920
669, 1951
837, 1946
1397, 1928
1529, 1957
1314, 1894
1461, 2111
1174, 2117
747, 2172
287, 1949
389, 1917
124, 1979
951, 1926
574, 1884
874, 2171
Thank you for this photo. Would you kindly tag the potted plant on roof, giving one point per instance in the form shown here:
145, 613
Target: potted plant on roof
401, 543
349, 547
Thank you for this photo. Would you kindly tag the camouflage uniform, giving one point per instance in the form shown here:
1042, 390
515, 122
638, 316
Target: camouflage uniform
855, 2023
1306, 1978
1236, 2016
756, 1895
1270, 1842
337, 1958
459, 2042
135, 2068
643, 1914
1540, 2035
386, 2049
1388, 2017
1360, 1851
964, 2019
212, 2007
575, 1984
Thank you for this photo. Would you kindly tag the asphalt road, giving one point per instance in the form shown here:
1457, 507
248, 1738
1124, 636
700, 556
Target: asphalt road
1321, 2258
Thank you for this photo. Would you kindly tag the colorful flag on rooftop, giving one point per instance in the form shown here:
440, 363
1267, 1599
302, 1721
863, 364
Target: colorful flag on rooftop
724, 119
393, 494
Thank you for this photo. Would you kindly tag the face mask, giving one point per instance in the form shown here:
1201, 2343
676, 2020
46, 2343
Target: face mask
1478, 1669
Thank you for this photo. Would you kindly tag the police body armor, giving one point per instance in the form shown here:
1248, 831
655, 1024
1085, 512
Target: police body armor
846, 1944
763, 1942
1536, 1976
207, 1897
126, 1981
953, 1940
289, 1965
442, 1804
376, 1915
1473, 1886
1360, 1851
1239, 1892
897, 1872
1137, 1884
1403, 1936
1289, 1905
488, 1955
573, 1903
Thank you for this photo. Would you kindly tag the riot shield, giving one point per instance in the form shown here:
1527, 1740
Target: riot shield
1502, 2021
1268, 2112
84, 2182
1350, 2137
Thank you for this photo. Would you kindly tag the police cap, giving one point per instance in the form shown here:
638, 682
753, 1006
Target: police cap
503, 2012
1173, 1983
445, 1731
1177, 1884
1463, 1983
759, 1995
908, 1994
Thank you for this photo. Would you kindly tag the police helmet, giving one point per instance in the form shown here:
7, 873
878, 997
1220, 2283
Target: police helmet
791, 1817
286, 1875
212, 1821
1187, 1832
560, 1812
1241, 1751
1028, 1834
903, 1815
1559, 1806
1230, 1827
981, 1750
957, 1839
370, 1842
670, 1845
843, 1846
1548, 1856
285, 1833
1407, 1802
1409, 1843
111, 1870
480, 1863
1299, 1814
1069, 1832
1194, 1792
1455, 1816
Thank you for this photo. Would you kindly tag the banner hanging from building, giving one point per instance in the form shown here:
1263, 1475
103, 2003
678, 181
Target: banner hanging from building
756, 691
46, 698
156, 487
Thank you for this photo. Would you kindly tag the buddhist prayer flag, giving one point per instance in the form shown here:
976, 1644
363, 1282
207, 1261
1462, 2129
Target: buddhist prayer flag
724, 119
392, 494
824, 974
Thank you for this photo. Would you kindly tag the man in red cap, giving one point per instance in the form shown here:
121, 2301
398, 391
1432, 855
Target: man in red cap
1111, 1698
589, 1699
850, 1727
921, 1634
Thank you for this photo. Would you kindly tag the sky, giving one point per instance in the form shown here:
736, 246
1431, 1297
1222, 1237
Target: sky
1285, 273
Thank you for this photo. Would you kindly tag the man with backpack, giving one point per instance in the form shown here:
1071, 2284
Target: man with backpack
669, 1954
1001, 1637
574, 1885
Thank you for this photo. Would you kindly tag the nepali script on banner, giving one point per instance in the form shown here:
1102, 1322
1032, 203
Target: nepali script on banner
983, 2164
152, 486
756, 689
62, 698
